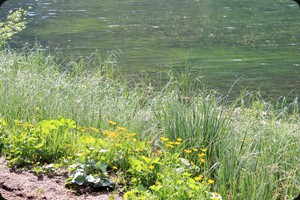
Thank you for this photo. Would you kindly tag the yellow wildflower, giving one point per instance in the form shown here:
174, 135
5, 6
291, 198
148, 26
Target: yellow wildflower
139, 149
177, 143
157, 183
195, 149
215, 194
120, 128
203, 149
82, 129
133, 139
128, 135
117, 145
94, 129
169, 146
112, 122
187, 151
210, 181
179, 140
151, 167
113, 134
201, 154
202, 160
198, 178
164, 139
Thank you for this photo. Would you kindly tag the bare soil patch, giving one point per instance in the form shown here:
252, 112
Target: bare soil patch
20, 185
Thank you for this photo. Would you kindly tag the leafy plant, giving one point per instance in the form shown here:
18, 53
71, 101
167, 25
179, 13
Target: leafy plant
91, 173
3, 127
46, 142
16, 22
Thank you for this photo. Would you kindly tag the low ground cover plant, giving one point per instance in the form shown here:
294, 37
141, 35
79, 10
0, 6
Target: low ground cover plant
109, 159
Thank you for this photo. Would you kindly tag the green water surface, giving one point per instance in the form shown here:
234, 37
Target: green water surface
255, 41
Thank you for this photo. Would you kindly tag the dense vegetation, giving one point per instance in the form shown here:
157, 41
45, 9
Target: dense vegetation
249, 146
176, 140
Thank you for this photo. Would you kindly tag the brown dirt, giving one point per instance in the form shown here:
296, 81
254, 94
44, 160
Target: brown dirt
20, 185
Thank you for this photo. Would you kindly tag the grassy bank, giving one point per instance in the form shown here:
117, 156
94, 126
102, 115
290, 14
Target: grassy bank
250, 147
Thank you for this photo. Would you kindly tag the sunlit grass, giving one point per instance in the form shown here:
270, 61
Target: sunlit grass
248, 147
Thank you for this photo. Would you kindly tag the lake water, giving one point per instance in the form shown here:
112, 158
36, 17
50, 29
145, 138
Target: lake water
255, 41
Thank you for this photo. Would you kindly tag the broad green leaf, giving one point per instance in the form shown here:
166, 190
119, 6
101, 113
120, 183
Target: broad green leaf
141, 188
147, 160
87, 139
79, 178
107, 182
103, 166
38, 146
136, 164
91, 179
155, 160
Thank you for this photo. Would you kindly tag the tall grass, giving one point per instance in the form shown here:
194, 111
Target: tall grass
252, 145
262, 157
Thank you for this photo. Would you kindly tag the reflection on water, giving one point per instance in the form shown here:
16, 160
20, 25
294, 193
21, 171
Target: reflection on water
223, 40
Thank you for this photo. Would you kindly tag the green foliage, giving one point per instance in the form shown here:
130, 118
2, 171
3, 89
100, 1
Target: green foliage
45, 142
109, 159
15, 23
3, 127
203, 135
90, 174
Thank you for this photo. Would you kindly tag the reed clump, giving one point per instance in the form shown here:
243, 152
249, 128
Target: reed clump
250, 147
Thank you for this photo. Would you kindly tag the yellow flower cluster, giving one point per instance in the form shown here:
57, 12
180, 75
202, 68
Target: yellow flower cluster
120, 135
171, 144
202, 154
120, 128
129, 135
94, 129
187, 151
112, 134
198, 178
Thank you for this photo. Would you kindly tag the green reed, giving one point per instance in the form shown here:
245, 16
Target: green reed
252, 145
